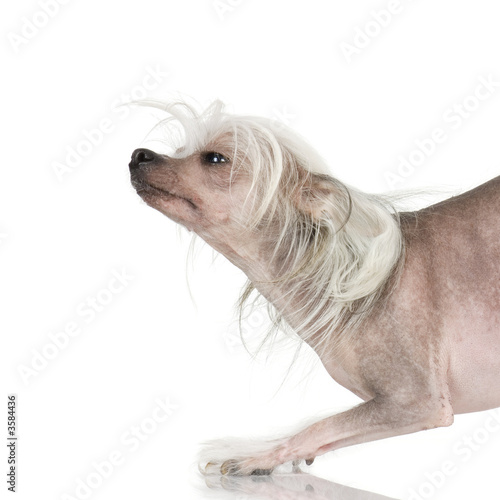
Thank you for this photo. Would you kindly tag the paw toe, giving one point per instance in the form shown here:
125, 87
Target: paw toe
230, 468
261, 472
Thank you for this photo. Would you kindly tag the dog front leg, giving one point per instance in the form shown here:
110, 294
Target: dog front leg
376, 419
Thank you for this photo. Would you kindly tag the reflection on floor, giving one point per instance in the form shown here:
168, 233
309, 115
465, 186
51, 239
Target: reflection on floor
294, 486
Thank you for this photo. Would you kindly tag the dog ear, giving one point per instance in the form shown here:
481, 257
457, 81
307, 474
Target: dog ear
316, 195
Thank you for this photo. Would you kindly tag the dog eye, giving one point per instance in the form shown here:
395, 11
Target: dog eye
214, 158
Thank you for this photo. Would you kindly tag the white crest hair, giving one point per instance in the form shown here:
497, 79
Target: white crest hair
336, 263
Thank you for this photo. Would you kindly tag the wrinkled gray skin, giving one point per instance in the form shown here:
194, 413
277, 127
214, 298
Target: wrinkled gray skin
431, 352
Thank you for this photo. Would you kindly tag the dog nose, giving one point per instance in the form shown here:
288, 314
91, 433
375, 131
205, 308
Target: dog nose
141, 157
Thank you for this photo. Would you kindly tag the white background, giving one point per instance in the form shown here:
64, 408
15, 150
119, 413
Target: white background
62, 237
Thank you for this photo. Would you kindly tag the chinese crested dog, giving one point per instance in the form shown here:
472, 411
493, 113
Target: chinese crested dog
403, 309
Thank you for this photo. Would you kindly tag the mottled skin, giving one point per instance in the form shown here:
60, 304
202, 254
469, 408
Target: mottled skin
432, 348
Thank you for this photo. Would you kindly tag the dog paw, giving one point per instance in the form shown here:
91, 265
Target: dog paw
230, 458
251, 467
238, 468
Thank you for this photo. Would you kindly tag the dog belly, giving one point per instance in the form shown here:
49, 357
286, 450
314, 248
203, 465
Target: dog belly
474, 371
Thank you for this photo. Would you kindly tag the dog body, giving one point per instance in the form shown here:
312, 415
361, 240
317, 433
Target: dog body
402, 308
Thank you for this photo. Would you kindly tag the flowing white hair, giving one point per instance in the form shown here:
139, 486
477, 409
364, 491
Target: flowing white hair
335, 248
